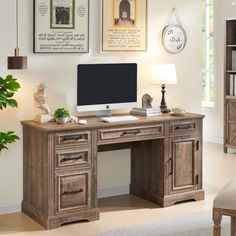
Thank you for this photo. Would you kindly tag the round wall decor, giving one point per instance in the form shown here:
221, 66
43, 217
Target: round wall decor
174, 38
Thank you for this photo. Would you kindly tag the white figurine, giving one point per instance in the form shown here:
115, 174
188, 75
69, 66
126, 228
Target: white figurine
44, 113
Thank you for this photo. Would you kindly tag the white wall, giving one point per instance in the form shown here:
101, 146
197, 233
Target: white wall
59, 73
215, 117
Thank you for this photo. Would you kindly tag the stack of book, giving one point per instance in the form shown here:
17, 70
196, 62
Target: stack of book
232, 85
145, 111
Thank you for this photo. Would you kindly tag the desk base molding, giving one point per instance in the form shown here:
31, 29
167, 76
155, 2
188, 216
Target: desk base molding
52, 222
170, 200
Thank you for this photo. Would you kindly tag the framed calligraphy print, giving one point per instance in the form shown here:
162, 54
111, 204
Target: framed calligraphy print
61, 26
124, 25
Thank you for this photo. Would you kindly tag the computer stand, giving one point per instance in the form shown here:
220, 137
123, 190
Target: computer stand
104, 113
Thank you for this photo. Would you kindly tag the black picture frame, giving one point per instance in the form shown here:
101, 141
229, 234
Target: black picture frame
61, 39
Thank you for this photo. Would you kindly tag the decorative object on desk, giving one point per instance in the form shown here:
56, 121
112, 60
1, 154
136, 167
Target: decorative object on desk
8, 87
124, 25
73, 119
43, 111
174, 37
145, 111
61, 26
177, 111
147, 101
17, 62
62, 115
163, 74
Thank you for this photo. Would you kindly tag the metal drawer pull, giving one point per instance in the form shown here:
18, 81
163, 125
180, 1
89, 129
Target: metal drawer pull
73, 192
188, 126
71, 138
75, 158
171, 166
134, 132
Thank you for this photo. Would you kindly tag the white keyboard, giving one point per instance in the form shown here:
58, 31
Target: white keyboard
118, 118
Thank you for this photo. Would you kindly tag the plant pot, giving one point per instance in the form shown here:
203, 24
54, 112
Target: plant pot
62, 120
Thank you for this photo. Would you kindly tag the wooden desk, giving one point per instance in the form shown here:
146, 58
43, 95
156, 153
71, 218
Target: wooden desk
60, 164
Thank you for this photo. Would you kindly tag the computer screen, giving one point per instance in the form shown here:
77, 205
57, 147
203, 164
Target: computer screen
105, 85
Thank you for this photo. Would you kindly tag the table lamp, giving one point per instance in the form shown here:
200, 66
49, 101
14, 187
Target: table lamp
163, 74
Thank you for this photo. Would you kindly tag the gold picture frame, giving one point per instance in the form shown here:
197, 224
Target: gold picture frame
124, 25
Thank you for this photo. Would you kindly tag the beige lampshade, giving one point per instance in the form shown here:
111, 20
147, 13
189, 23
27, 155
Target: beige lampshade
163, 74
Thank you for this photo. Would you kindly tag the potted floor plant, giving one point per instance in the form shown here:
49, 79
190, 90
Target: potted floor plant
8, 87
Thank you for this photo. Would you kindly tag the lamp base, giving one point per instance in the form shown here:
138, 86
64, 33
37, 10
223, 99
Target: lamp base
164, 109
163, 106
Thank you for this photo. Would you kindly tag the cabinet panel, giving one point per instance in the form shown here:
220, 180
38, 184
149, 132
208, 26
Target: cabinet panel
73, 157
183, 164
73, 138
231, 134
231, 110
181, 127
73, 191
123, 134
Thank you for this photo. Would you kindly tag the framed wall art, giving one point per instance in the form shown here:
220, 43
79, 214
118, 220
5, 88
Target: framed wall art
124, 25
61, 26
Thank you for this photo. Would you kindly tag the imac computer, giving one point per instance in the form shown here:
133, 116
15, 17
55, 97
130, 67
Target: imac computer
104, 87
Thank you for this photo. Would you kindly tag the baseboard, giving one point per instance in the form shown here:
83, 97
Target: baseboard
109, 192
10, 208
213, 138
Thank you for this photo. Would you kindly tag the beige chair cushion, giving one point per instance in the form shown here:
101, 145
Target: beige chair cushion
226, 199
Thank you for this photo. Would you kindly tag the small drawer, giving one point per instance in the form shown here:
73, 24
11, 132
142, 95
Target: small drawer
134, 133
182, 127
73, 157
74, 191
73, 138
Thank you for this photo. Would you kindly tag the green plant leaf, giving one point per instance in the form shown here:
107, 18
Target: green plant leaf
8, 87
61, 113
7, 138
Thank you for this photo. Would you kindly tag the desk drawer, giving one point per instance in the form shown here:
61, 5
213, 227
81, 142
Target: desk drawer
74, 191
73, 138
73, 157
134, 133
181, 127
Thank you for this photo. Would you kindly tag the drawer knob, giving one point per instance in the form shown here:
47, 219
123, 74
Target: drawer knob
73, 192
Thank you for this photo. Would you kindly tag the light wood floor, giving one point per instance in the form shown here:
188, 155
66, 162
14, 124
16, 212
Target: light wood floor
127, 210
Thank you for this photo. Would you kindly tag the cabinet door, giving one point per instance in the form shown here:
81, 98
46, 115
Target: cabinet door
231, 125
182, 165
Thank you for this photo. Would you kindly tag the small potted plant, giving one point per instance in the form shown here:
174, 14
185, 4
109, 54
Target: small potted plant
62, 115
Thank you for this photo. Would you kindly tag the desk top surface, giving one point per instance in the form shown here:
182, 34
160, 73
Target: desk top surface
95, 122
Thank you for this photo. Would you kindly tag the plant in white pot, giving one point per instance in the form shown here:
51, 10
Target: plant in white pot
62, 115
8, 87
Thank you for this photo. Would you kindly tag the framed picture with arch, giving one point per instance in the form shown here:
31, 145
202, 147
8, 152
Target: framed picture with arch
124, 25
